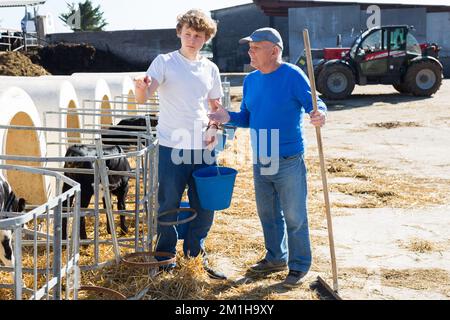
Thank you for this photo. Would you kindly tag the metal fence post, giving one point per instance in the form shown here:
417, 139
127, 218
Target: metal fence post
76, 244
57, 239
18, 263
105, 182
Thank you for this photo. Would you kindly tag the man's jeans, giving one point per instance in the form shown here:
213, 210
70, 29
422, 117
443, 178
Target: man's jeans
282, 206
173, 179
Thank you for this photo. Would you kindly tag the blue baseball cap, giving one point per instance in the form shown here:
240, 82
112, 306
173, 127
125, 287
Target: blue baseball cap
264, 34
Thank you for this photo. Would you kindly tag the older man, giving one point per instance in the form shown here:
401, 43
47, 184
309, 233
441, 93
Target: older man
276, 96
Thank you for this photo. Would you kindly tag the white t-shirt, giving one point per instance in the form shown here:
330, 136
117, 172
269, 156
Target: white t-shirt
185, 87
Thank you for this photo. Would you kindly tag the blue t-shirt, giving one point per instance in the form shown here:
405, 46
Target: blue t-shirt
276, 100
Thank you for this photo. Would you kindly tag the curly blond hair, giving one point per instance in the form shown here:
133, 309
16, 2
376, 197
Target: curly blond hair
199, 21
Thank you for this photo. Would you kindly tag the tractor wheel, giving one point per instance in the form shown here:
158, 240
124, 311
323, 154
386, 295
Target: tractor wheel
423, 78
401, 87
336, 81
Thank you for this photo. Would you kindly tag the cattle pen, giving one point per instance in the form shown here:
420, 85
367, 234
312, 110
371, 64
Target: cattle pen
52, 136
43, 264
97, 126
143, 173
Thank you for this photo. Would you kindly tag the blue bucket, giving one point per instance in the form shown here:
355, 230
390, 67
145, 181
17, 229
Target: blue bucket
182, 229
215, 186
230, 131
221, 141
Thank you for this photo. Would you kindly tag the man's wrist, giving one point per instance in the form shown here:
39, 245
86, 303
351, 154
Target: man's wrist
319, 110
212, 125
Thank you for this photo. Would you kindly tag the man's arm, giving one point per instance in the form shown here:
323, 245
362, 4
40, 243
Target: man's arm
240, 119
237, 119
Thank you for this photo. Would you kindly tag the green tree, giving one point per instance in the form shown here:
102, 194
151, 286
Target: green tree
90, 18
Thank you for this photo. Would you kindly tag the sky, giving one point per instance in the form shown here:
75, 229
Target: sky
122, 15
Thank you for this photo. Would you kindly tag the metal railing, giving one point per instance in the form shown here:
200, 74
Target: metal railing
54, 260
15, 40
143, 173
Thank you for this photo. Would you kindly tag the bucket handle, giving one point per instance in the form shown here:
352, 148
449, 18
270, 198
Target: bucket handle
177, 222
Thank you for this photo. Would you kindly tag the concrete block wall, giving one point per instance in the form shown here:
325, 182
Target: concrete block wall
135, 46
324, 23
238, 22
438, 31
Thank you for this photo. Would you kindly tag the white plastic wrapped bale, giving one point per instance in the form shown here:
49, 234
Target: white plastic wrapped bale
121, 86
57, 104
154, 100
17, 109
93, 94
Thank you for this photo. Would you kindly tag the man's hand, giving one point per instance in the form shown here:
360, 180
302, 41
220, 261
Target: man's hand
210, 136
317, 118
142, 82
145, 87
215, 104
221, 115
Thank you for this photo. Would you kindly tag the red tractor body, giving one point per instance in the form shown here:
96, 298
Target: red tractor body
381, 55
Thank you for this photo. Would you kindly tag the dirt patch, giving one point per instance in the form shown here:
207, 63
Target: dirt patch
394, 206
417, 279
376, 187
18, 64
393, 124
419, 245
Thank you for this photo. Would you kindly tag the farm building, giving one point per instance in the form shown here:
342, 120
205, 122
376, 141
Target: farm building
325, 20
235, 23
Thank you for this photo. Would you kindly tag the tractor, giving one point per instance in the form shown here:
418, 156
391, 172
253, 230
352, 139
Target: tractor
380, 55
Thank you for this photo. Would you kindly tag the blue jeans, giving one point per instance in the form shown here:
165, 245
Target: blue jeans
173, 179
282, 209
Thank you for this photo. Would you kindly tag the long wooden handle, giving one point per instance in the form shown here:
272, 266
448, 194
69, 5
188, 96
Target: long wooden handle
309, 63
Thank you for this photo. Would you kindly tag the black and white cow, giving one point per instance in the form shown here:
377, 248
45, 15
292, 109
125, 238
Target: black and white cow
8, 203
118, 185
135, 122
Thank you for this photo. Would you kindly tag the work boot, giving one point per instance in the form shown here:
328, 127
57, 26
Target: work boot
265, 266
294, 279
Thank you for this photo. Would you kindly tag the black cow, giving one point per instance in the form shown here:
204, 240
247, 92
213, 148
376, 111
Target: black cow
134, 121
118, 185
8, 203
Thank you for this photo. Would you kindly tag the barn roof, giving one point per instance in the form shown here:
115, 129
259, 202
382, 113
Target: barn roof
280, 7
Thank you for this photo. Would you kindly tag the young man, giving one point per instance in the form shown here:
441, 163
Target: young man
188, 85
276, 96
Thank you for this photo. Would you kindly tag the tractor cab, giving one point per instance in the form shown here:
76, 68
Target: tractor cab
380, 54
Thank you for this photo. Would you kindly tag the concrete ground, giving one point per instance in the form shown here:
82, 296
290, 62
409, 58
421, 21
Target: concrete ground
405, 135
400, 250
